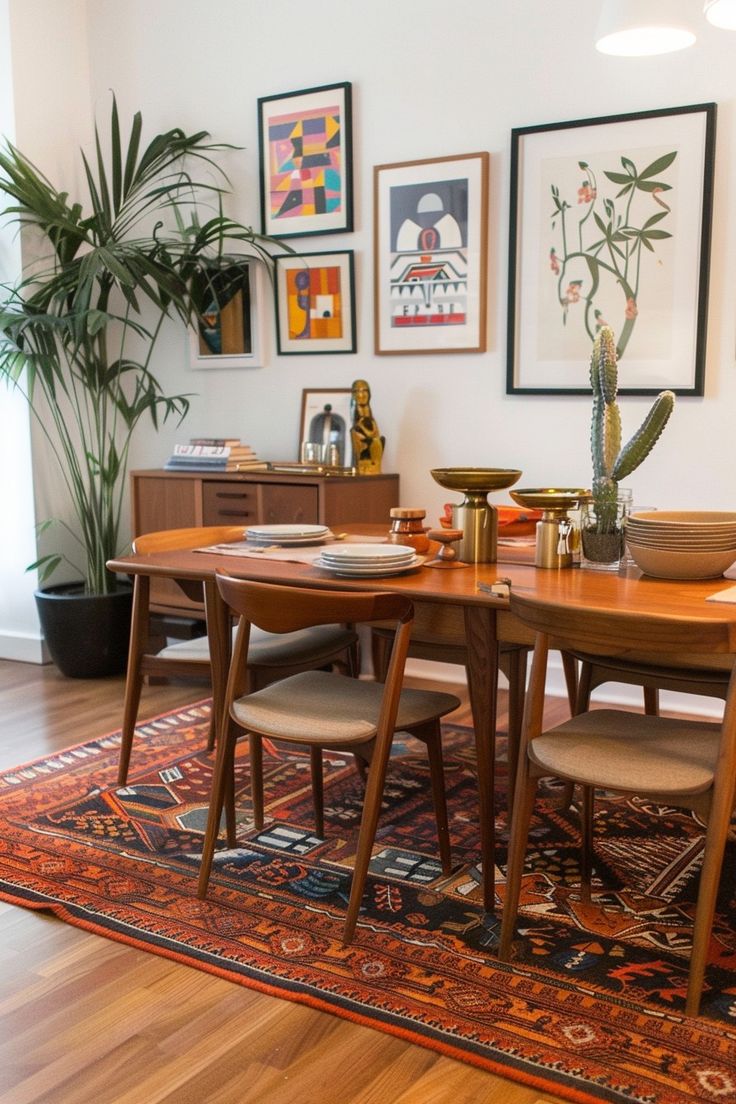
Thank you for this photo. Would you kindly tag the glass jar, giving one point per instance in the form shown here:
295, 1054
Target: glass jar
407, 528
602, 533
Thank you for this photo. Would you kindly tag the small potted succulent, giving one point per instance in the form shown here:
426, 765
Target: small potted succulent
602, 530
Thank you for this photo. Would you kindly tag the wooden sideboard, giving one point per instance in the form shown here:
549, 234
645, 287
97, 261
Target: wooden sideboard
178, 500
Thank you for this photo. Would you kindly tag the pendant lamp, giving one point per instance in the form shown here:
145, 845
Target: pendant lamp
721, 13
635, 28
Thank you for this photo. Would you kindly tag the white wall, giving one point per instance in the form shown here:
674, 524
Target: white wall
429, 79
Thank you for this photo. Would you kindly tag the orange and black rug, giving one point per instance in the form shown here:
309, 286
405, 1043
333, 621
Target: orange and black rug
591, 1008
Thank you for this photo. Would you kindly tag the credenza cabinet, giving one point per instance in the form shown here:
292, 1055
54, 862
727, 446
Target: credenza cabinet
178, 500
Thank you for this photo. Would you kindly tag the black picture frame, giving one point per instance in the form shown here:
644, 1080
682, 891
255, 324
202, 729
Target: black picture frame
315, 303
651, 212
324, 204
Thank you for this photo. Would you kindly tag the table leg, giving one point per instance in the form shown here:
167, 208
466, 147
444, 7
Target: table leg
220, 642
482, 645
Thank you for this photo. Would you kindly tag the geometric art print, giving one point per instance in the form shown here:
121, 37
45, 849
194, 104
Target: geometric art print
305, 161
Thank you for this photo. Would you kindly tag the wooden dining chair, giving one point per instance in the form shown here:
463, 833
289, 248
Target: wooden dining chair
271, 657
689, 764
323, 710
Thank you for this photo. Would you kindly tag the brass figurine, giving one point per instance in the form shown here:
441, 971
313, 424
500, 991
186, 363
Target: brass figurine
367, 441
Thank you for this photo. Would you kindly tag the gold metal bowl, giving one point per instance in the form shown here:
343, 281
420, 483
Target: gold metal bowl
549, 498
475, 480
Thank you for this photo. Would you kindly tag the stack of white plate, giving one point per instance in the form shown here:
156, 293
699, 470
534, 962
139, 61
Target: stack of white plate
365, 560
287, 535
682, 544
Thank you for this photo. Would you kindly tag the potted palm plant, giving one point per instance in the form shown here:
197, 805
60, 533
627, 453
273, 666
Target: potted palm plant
78, 332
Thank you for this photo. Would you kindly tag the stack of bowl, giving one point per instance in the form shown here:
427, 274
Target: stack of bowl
682, 544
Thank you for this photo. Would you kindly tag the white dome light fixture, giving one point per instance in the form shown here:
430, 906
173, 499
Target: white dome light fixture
721, 13
639, 28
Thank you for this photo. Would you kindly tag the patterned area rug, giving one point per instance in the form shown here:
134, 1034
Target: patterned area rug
590, 1008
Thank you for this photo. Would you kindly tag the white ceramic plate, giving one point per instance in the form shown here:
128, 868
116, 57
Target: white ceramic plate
369, 553
284, 532
369, 571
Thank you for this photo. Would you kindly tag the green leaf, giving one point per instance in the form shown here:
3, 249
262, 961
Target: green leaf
658, 166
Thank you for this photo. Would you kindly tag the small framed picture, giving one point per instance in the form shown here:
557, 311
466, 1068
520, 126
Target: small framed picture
230, 332
305, 152
315, 303
610, 226
430, 227
326, 420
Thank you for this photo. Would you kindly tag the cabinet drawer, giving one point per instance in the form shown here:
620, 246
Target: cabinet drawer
229, 503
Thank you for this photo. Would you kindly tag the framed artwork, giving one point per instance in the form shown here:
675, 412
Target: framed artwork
326, 420
315, 302
306, 161
230, 331
430, 225
610, 225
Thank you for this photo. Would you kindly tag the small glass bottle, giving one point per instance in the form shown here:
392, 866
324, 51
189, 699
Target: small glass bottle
407, 528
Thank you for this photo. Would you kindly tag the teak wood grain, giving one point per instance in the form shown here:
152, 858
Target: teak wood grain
83, 1018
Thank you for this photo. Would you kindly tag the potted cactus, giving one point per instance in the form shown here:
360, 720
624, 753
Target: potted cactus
602, 529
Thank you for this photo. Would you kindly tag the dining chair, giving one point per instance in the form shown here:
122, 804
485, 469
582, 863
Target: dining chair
685, 763
271, 657
512, 661
323, 710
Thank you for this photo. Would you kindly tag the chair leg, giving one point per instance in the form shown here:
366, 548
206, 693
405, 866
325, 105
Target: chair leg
570, 670
580, 703
354, 660
223, 766
586, 847
517, 690
380, 652
134, 678
523, 809
256, 778
715, 843
651, 701
433, 740
318, 796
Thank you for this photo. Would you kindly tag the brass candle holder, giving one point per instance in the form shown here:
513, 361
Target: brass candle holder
477, 519
555, 530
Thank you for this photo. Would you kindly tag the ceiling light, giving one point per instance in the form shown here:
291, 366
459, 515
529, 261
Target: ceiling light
721, 13
635, 28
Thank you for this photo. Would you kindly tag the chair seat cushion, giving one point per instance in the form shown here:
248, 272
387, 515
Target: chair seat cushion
321, 707
274, 649
615, 750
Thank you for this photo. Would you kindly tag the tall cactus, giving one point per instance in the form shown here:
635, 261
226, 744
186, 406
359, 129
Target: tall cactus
611, 463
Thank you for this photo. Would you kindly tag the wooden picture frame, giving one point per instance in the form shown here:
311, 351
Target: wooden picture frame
326, 418
431, 255
305, 146
315, 303
611, 224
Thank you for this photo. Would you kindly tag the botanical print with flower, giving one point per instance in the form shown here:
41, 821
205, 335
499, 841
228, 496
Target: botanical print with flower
608, 255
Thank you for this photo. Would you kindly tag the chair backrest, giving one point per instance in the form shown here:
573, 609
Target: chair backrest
616, 632
168, 540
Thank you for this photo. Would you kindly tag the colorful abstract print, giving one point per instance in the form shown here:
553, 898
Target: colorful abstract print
429, 262
305, 170
314, 303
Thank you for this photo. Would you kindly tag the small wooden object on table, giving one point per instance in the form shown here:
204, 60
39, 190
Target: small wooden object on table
446, 554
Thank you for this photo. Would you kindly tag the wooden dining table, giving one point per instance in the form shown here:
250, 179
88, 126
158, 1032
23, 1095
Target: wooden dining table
455, 606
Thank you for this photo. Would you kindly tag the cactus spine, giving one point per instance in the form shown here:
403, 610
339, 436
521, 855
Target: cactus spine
611, 463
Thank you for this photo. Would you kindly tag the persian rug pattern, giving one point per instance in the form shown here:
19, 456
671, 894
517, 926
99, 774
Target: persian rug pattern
590, 1008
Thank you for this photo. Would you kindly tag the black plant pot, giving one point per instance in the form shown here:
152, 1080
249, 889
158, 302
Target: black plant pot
87, 635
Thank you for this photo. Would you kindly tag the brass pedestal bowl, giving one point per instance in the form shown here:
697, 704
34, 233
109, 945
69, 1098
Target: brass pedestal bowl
555, 535
475, 516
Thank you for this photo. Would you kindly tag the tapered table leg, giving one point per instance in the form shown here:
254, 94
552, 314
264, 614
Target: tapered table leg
482, 645
220, 641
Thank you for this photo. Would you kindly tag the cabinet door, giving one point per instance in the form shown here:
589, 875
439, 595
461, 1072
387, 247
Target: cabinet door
229, 503
281, 502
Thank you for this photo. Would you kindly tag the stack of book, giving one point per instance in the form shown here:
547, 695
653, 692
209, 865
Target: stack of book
214, 454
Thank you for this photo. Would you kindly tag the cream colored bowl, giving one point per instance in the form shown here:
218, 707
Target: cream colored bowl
686, 517
663, 563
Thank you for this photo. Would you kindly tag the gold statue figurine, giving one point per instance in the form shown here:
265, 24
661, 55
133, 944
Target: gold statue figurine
367, 441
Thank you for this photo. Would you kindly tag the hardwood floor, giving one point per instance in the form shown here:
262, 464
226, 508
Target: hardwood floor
85, 1020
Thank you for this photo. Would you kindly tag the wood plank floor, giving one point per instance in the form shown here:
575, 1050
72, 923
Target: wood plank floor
84, 1020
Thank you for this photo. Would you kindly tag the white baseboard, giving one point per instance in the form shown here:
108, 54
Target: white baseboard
614, 693
24, 647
